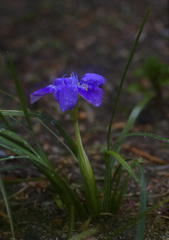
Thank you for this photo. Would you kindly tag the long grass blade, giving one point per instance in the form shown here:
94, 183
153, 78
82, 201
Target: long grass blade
51, 121
109, 164
20, 93
24, 107
115, 192
124, 164
10, 168
5, 122
74, 152
135, 219
9, 95
67, 195
7, 206
123, 77
144, 135
71, 222
132, 118
142, 207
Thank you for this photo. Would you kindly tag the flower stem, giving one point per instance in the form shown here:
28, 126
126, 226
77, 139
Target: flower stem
88, 179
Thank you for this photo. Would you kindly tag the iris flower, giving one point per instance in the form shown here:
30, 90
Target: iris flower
66, 90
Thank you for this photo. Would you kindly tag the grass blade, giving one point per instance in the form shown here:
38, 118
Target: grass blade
124, 164
20, 93
123, 77
145, 135
133, 116
24, 107
67, 195
115, 192
52, 121
142, 207
109, 164
71, 222
10, 167
7, 206
135, 219
5, 121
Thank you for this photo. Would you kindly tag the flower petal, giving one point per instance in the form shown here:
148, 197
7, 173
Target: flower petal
66, 95
58, 81
93, 79
41, 92
92, 94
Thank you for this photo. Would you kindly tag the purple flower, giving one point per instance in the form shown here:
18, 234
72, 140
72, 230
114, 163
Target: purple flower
66, 90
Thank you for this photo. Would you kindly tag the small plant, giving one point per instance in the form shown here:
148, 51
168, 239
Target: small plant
157, 75
67, 91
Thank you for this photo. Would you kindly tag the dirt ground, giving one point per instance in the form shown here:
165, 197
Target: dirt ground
48, 39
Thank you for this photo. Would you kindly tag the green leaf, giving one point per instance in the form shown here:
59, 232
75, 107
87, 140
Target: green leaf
135, 219
115, 192
5, 122
7, 206
145, 135
67, 195
109, 164
142, 207
9, 167
123, 77
51, 121
132, 118
124, 164
20, 93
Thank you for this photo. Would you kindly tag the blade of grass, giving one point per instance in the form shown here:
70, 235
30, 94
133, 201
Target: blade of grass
10, 167
71, 222
115, 192
7, 206
67, 195
20, 93
117, 200
5, 121
50, 120
69, 149
142, 207
109, 164
132, 118
18, 139
123, 77
24, 107
9, 95
135, 219
19, 149
120, 197
21, 180
124, 164
145, 135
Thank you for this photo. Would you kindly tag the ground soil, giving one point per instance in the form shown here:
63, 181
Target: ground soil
47, 39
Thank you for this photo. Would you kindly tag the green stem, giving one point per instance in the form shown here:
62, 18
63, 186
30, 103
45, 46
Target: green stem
88, 179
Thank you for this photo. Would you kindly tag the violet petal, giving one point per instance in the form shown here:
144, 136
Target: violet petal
92, 79
92, 94
41, 92
66, 95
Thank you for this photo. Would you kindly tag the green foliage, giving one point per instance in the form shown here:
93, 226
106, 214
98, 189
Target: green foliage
106, 203
156, 72
143, 205
7, 207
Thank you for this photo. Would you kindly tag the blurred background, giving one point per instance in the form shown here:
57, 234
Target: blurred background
47, 39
